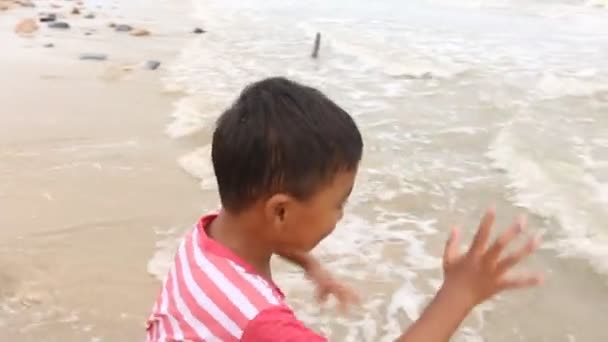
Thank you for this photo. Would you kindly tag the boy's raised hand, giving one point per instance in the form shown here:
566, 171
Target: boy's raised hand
483, 270
471, 278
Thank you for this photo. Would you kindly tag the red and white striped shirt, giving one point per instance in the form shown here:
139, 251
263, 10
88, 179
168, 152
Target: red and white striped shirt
210, 294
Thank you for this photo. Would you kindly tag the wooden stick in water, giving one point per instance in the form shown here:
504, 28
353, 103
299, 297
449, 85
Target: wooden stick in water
315, 50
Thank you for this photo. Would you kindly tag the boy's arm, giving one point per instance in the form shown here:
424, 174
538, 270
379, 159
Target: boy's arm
304, 260
439, 320
326, 284
470, 279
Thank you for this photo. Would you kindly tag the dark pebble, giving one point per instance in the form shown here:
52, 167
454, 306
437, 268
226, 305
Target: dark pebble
90, 16
93, 57
48, 17
59, 25
123, 28
198, 30
49, 45
152, 65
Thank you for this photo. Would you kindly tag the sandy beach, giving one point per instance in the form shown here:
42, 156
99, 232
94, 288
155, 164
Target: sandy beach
104, 161
85, 174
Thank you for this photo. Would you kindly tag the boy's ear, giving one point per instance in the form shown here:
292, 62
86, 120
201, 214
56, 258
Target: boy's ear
277, 210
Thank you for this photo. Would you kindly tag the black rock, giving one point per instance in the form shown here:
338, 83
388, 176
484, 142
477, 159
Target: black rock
152, 65
59, 25
48, 17
90, 16
123, 28
198, 30
49, 45
93, 57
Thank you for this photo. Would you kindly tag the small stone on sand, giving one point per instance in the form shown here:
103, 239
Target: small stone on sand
198, 30
26, 26
152, 65
90, 16
140, 32
111, 25
47, 17
59, 25
93, 57
75, 11
123, 28
49, 45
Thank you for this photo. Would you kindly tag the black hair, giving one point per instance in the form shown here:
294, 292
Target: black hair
281, 136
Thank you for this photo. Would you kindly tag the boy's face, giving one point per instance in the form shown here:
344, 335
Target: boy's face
301, 225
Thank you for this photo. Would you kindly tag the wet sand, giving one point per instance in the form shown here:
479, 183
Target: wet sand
87, 177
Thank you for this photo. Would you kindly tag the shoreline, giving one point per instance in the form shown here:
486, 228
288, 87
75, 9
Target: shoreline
98, 195
86, 175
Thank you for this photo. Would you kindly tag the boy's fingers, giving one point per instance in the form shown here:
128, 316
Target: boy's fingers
521, 282
346, 295
322, 295
503, 241
452, 246
352, 297
355, 297
505, 264
349, 298
344, 306
483, 233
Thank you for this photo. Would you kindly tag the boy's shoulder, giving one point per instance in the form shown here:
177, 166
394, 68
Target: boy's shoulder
222, 276
210, 294
209, 291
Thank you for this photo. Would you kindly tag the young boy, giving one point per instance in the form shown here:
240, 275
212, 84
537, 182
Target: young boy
285, 158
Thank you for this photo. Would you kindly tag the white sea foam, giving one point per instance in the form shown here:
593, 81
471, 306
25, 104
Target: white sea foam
162, 259
187, 119
552, 86
198, 164
557, 190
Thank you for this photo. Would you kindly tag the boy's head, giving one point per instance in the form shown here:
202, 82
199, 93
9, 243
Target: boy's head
290, 154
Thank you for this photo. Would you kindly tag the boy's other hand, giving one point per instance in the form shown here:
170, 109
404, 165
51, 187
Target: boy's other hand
483, 271
327, 285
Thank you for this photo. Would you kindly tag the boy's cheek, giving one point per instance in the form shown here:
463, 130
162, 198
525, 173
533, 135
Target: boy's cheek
308, 239
297, 237
320, 235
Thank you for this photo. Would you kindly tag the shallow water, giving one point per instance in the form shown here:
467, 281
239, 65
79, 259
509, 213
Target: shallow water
462, 105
